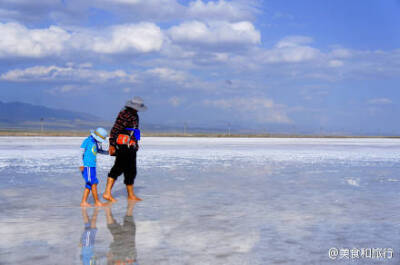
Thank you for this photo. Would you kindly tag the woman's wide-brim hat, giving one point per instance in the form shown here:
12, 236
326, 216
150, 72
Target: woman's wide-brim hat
136, 103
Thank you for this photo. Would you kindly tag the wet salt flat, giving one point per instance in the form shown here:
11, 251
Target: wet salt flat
206, 201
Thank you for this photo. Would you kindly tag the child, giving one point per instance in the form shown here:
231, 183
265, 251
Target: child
90, 149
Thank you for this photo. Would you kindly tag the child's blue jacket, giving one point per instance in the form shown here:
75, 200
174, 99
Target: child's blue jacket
91, 148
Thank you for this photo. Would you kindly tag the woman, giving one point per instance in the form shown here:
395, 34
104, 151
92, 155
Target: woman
124, 145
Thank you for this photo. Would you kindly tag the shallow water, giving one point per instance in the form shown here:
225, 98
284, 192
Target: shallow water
206, 201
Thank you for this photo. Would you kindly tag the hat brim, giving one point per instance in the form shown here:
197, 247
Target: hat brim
138, 107
143, 108
97, 137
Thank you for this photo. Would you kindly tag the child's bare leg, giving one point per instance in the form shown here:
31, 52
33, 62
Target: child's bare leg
85, 196
131, 193
97, 202
107, 193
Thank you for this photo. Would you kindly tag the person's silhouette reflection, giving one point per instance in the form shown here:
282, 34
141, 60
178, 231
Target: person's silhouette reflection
123, 248
88, 237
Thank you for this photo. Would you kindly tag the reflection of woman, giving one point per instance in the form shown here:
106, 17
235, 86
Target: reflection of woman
123, 247
88, 237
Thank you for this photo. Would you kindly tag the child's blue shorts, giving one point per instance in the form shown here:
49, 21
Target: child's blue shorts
89, 175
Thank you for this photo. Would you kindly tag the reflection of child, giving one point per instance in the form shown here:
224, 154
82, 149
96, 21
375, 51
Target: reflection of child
88, 237
90, 149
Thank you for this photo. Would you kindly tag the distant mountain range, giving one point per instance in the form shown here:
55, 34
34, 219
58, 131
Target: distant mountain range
24, 116
17, 115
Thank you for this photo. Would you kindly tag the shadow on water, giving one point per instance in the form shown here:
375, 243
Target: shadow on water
122, 249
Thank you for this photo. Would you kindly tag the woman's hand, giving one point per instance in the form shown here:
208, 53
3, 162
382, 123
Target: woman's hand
111, 150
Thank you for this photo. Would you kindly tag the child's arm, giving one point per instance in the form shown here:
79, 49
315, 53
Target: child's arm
101, 151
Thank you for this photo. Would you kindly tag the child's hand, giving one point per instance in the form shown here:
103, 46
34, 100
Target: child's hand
81, 168
111, 150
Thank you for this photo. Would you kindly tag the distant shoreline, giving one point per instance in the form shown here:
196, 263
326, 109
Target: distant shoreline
156, 134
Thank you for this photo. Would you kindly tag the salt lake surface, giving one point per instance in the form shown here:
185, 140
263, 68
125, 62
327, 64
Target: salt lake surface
206, 201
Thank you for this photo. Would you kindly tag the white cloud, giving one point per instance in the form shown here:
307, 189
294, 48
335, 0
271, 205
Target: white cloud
215, 33
336, 63
260, 109
291, 50
66, 73
380, 101
293, 41
221, 10
140, 10
76, 11
68, 89
341, 53
291, 54
295, 57
17, 40
127, 89
142, 37
27, 2
175, 101
168, 74
129, 2
26, 10
221, 57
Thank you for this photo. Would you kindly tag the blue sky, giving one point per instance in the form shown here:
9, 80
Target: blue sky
287, 66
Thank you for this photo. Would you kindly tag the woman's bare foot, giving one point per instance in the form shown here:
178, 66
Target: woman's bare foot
108, 197
100, 204
134, 198
85, 204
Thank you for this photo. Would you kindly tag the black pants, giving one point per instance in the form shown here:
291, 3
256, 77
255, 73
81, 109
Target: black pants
125, 162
